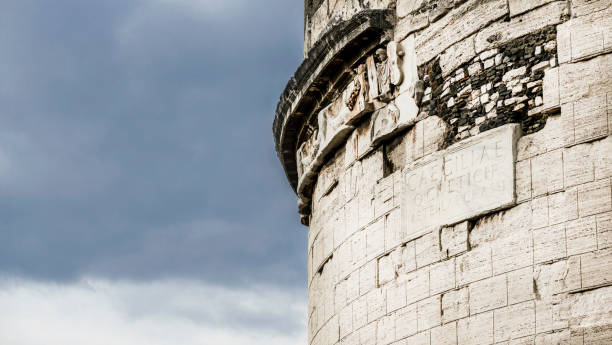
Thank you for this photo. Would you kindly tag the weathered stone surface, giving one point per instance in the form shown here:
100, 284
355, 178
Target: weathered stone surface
406, 322
455, 305
488, 294
457, 25
458, 183
456, 55
586, 36
473, 266
417, 285
521, 6
405, 7
514, 321
445, 334
442, 276
454, 240
476, 330
501, 32
429, 313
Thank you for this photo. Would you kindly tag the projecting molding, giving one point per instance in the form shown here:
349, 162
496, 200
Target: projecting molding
308, 91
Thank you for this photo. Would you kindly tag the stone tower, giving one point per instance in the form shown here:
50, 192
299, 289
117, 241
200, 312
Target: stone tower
453, 162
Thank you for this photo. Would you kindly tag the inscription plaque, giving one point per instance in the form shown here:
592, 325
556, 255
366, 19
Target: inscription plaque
470, 178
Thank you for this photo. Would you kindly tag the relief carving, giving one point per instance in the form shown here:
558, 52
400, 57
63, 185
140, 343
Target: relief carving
306, 153
386, 86
385, 121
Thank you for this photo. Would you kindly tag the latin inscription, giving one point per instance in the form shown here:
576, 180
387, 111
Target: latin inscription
468, 179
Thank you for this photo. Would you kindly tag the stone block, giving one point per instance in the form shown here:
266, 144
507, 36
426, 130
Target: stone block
520, 285
386, 269
521, 6
596, 268
410, 24
394, 233
602, 156
396, 296
588, 315
502, 31
428, 249
456, 55
429, 313
376, 304
367, 335
365, 207
350, 150
417, 285
586, 78
414, 143
590, 118
550, 88
476, 330
358, 249
473, 265
345, 321
434, 132
578, 165
564, 43
539, 209
375, 239
488, 294
360, 312
406, 321
582, 8
352, 286
514, 321
445, 334
460, 23
549, 243
512, 252
562, 337
587, 36
563, 206
594, 198
547, 172
442, 277
422, 338
455, 305
345, 256
523, 180
367, 277
454, 240
386, 330
581, 236
557, 133
383, 196
405, 7
604, 230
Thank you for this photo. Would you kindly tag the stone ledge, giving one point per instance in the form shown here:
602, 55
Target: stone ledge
327, 60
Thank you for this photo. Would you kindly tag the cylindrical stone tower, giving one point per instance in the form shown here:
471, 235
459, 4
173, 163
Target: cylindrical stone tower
453, 161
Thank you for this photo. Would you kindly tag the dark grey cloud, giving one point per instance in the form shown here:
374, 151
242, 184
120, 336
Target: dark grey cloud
135, 140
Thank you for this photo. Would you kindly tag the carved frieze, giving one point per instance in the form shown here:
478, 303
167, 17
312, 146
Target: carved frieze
384, 87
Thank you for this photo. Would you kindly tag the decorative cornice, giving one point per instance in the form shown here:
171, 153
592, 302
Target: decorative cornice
330, 58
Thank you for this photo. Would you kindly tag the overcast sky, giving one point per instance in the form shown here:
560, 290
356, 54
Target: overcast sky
141, 200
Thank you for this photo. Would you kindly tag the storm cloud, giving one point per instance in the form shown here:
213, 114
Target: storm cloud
135, 140
136, 146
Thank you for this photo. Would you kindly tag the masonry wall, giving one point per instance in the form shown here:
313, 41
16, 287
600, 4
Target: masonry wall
538, 271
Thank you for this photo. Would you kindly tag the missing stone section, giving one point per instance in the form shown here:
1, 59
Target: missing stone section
499, 86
